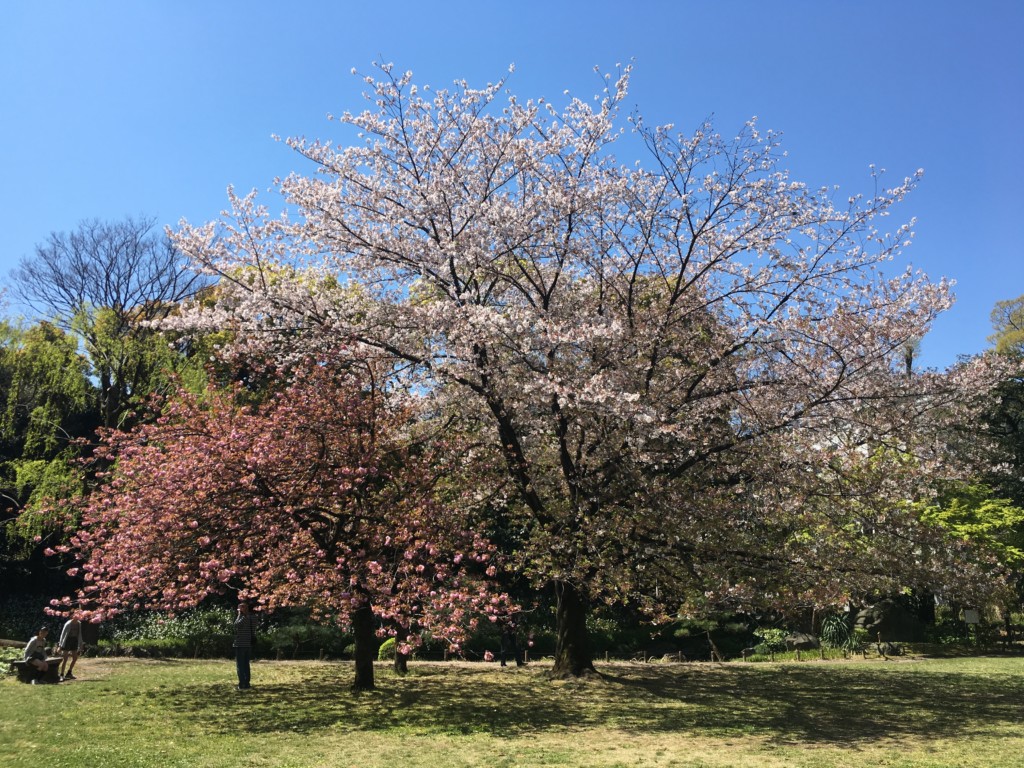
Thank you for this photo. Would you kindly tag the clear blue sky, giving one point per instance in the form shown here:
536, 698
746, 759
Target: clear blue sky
118, 108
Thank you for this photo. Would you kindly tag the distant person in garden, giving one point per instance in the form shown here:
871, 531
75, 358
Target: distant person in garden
35, 653
71, 644
510, 643
245, 637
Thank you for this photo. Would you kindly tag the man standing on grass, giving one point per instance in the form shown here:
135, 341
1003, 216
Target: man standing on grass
245, 636
70, 645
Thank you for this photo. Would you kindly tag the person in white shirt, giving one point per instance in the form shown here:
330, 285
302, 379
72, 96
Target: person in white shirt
70, 645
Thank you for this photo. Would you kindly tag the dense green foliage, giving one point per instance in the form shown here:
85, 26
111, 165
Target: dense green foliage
1008, 325
47, 402
973, 512
47, 395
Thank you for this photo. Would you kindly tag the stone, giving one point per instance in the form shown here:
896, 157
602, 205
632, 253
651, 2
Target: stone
890, 621
801, 641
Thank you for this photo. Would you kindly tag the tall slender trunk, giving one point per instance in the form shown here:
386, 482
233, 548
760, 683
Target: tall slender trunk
366, 646
573, 657
107, 399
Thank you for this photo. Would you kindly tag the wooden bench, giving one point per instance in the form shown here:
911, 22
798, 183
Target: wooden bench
27, 673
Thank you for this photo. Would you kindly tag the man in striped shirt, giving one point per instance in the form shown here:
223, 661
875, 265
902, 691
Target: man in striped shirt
245, 636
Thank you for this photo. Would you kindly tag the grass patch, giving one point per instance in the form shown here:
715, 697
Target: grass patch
936, 712
822, 654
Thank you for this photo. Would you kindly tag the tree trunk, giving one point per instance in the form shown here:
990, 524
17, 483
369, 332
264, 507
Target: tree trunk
366, 646
401, 659
401, 663
573, 656
924, 605
107, 400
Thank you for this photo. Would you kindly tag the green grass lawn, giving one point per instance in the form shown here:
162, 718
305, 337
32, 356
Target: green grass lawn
121, 712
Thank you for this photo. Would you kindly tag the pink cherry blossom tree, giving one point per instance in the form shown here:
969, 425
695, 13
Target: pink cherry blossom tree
323, 495
689, 366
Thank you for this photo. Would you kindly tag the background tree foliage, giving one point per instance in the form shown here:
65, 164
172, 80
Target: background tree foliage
47, 402
105, 282
1008, 322
48, 397
972, 512
88, 361
1006, 419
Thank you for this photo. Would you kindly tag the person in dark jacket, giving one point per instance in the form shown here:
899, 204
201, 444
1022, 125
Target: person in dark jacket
245, 637
510, 642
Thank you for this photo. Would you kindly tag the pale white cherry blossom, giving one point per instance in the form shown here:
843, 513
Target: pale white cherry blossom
690, 364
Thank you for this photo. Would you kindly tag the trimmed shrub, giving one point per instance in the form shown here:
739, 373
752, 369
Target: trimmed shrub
386, 652
773, 640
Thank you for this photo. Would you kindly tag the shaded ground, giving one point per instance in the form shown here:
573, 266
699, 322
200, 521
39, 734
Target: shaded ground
825, 704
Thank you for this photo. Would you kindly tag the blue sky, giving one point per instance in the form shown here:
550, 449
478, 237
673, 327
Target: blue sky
115, 108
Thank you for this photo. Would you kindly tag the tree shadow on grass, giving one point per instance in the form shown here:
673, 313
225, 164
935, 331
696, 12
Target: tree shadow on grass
831, 705
835, 705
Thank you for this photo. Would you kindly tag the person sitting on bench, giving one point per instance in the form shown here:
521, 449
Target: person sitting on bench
35, 653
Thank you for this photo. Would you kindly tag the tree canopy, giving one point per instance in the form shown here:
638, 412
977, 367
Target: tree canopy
104, 282
47, 402
1008, 325
315, 496
693, 368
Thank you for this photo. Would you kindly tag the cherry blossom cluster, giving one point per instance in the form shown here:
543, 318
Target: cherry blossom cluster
318, 495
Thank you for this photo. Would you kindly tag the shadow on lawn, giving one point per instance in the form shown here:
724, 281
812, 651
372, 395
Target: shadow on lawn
815, 703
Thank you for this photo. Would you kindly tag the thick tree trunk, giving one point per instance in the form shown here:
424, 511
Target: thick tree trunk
572, 645
401, 659
925, 607
366, 646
